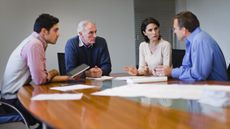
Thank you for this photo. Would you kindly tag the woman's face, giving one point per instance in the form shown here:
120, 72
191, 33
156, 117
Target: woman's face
152, 31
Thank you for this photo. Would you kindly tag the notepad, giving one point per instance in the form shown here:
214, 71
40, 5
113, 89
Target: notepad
147, 79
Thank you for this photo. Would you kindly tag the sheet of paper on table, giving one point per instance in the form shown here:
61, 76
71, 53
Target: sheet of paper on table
58, 96
102, 78
170, 91
73, 87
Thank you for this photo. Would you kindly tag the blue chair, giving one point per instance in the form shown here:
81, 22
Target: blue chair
6, 117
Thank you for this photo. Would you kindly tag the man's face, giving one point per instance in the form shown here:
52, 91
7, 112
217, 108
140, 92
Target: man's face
88, 34
180, 32
52, 35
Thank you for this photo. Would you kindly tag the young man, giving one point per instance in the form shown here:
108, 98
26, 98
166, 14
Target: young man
89, 49
28, 62
203, 59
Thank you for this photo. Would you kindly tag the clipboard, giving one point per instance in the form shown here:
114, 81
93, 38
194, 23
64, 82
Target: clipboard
78, 70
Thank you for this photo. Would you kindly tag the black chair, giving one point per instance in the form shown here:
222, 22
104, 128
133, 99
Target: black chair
177, 57
10, 117
61, 63
228, 70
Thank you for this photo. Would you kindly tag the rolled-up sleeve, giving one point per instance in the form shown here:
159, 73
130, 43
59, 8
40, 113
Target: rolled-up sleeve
200, 61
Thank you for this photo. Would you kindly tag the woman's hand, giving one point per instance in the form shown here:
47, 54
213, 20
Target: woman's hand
131, 70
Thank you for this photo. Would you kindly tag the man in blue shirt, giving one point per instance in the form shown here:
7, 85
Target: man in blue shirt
203, 59
89, 49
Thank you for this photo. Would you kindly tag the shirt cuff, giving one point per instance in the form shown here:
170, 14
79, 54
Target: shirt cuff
176, 72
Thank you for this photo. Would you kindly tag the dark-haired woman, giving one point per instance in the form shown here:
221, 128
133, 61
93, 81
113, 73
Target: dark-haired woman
153, 51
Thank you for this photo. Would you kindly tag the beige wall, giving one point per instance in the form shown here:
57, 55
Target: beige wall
114, 19
214, 18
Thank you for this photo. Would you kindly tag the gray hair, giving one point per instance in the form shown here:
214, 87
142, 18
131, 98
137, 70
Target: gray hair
82, 24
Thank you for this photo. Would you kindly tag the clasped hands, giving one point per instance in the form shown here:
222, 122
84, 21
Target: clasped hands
94, 72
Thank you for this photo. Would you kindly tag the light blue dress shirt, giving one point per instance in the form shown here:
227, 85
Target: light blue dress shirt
203, 59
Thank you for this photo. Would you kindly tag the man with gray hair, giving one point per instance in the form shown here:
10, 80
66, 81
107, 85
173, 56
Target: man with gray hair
89, 49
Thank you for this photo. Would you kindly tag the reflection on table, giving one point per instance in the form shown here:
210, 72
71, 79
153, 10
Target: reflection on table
103, 112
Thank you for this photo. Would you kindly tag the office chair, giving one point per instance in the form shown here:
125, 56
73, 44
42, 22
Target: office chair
6, 117
228, 71
61, 63
177, 57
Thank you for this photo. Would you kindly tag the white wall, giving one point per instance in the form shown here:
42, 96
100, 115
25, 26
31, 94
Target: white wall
153, 8
214, 18
114, 19
180, 6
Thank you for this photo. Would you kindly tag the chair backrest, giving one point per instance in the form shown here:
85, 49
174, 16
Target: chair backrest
61, 63
177, 57
228, 70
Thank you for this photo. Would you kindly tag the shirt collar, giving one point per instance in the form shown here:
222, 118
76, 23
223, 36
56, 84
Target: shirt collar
81, 43
190, 38
37, 36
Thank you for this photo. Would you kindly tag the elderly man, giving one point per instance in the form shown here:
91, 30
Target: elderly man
89, 49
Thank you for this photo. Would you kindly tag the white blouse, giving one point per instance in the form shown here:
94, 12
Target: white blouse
161, 55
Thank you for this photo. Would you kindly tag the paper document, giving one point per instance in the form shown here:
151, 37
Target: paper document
174, 91
57, 97
102, 78
147, 79
215, 98
73, 87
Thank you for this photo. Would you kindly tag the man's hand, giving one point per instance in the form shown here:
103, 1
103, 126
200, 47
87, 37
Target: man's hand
94, 72
162, 71
61, 78
52, 73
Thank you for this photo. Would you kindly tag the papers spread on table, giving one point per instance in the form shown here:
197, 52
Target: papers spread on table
173, 91
215, 98
58, 96
102, 78
142, 79
73, 87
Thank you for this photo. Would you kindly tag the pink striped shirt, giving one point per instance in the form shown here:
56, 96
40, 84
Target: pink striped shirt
33, 53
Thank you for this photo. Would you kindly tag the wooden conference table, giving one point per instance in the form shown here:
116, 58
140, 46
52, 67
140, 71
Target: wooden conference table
100, 112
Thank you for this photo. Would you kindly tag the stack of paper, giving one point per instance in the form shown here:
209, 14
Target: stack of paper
147, 79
